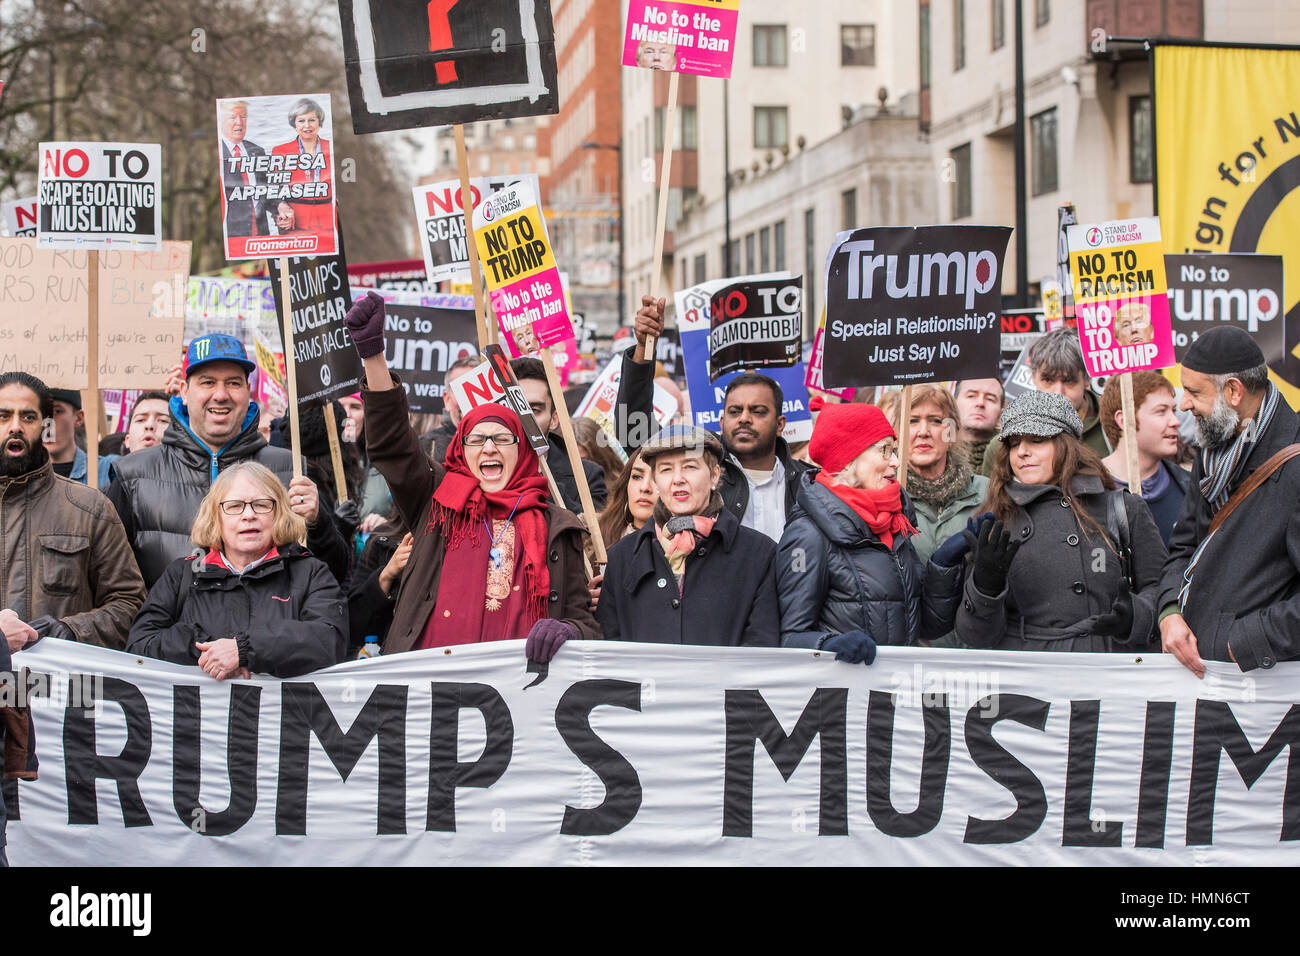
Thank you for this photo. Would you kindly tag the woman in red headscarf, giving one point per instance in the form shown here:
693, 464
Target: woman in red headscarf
493, 558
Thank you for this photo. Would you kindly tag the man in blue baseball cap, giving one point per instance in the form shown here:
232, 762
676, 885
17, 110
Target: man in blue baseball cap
157, 491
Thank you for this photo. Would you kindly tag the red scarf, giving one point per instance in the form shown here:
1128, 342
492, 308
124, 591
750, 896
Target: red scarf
459, 510
880, 508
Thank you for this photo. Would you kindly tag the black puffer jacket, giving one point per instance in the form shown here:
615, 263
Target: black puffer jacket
833, 574
157, 493
289, 608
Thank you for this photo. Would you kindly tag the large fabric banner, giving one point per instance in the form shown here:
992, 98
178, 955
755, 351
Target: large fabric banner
1227, 129
649, 754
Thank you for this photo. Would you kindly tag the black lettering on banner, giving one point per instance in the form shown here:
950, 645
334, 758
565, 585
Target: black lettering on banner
1217, 730
1157, 761
622, 785
241, 759
84, 764
1077, 828
934, 766
303, 712
750, 719
446, 770
998, 762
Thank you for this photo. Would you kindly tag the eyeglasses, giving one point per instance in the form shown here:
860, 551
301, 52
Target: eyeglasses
499, 439
888, 451
260, 506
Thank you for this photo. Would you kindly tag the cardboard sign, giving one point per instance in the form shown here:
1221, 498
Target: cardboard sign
244, 308
494, 382
20, 216
1245, 290
403, 275
519, 266
706, 395
271, 391
682, 36
325, 362
755, 325
813, 376
442, 221
277, 176
421, 342
447, 62
43, 309
1118, 270
907, 305
99, 196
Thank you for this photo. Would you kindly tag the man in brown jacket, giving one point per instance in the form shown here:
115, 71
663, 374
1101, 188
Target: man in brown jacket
65, 563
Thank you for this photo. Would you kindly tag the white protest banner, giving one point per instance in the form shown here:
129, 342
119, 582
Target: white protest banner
277, 176
20, 216
643, 754
441, 218
99, 196
44, 296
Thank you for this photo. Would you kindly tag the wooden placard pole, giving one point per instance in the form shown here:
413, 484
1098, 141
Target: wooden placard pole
487, 331
1130, 433
92, 368
336, 452
290, 368
904, 433
661, 219
550, 478
575, 460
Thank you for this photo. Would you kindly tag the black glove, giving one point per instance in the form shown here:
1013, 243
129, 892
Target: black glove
1117, 623
993, 552
954, 550
852, 647
347, 516
47, 626
365, 323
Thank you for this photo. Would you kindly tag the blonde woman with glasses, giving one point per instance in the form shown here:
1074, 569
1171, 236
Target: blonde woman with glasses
251, 599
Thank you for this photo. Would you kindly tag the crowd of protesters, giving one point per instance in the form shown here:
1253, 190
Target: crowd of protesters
1008, 526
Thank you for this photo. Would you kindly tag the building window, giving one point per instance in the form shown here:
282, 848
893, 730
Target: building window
778, 240
858, 44
770, 127
700, 265
958, 35
769, 44
684, 119
811, 267
849, 209
961, 181
1042, 127
924, 30
749, 253
1139, 139
1042, 12
733, 259
999, 26
765, 249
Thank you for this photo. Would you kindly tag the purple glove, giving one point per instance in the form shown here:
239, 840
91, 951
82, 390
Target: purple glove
546, 637
365, 322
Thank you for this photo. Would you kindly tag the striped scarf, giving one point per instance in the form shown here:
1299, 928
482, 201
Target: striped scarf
1222, 466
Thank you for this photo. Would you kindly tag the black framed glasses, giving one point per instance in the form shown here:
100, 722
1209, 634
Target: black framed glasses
499, 439
260, 506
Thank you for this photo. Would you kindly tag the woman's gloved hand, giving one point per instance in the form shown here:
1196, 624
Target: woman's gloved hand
547, 637
1117, 623
953, 551
365, 322
993, 551
852, 647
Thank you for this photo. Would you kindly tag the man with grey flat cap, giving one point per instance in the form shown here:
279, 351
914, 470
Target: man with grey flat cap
1231, 587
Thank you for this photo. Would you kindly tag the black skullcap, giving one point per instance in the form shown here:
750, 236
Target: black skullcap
1223, 350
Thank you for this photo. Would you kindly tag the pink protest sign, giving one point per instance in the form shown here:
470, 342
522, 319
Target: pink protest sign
1120, 296
812, 379
682, 36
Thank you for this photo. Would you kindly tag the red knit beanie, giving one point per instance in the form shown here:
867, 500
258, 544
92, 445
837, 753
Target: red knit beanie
844, 431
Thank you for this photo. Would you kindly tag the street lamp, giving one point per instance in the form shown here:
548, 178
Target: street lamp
622, 285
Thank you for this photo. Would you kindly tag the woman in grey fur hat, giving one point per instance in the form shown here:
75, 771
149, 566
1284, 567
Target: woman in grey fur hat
1068, 562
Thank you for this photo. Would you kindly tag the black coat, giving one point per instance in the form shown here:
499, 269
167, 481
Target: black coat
370, 610
557, 459
635, 407
834, 574
1064, 576
1246, 589
727, 599
290, 608
244, 217
157, 493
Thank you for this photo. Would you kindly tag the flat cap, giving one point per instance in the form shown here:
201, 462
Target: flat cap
1042, 414
682, 438
1222, 350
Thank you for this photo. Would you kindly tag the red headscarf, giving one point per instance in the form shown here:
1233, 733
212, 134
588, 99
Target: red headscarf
459, 510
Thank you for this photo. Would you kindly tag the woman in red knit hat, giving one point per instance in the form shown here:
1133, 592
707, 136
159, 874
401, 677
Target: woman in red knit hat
848, 577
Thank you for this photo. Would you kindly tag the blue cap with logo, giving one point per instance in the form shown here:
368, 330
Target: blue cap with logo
217, 347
